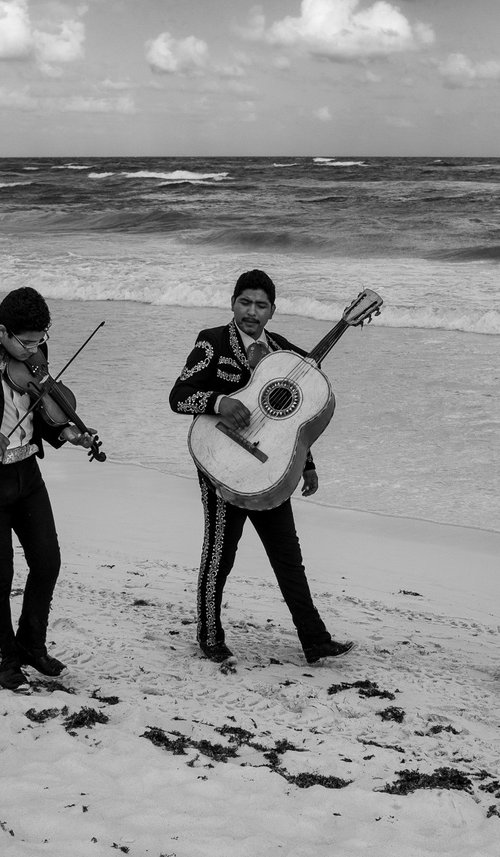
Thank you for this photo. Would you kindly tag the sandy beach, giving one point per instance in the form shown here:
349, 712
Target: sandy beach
144, 747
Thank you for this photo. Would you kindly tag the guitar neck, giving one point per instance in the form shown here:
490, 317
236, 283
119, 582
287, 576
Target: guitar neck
326, 344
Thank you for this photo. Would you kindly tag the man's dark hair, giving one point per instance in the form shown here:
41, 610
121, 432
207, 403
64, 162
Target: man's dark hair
24, 309
255, 280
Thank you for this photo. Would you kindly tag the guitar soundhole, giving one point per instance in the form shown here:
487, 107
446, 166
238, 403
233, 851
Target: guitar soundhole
280, 398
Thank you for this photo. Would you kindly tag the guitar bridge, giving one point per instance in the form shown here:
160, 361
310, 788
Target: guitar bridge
252, 448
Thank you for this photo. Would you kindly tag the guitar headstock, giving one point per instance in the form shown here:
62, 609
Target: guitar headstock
363, 307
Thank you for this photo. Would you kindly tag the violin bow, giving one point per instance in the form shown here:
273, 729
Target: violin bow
70, 361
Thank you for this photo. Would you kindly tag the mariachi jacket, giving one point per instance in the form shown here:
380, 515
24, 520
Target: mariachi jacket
218, 366
41, 429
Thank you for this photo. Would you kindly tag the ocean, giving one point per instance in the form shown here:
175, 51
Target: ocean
153, 248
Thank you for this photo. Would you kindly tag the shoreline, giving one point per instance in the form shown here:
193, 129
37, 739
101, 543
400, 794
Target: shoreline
140, 510
323, 503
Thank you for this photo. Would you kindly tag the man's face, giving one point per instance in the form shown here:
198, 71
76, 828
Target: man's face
252, 310
22, 345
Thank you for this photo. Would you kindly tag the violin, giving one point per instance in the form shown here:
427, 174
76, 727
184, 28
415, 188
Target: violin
55, 402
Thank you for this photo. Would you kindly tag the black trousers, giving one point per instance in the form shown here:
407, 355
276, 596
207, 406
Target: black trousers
276, 530
25, 510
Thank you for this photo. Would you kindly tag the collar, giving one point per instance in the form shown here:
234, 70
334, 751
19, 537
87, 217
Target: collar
248, 340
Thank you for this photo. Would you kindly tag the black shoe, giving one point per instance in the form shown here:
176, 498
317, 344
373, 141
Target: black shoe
330, 649
218, 653
40, 660
11, 674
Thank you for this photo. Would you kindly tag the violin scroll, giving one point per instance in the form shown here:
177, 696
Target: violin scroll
94, 452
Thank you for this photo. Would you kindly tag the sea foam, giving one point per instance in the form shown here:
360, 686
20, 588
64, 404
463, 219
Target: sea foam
155, 291
176, 175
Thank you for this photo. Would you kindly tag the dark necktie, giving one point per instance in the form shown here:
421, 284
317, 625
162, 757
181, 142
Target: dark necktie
255, 352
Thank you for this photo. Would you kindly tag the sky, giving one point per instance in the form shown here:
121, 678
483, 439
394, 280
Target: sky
284, 77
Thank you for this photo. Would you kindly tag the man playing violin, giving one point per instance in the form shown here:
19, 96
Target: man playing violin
24, 503
221, 363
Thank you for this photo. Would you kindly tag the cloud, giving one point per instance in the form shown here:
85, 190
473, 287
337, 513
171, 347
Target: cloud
64, 45
371, 77
323, 114
459, 72
115, 84
281, 63
15, 30
189, 57
90, 104
17, 99
338, 31
58, 41
176, 56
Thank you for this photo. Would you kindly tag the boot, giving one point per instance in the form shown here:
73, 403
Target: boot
11, 674
31, 648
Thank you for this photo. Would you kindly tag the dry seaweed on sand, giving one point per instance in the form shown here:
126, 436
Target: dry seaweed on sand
45, 714
235, 733
219, 753
491, 788
160, 739
365, 688
305, 781
241, 736
369, 743
109, 700
437, 729
178, 746
441, 778
392, 713
85, 717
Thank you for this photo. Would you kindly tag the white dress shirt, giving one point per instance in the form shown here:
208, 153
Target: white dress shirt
15, 406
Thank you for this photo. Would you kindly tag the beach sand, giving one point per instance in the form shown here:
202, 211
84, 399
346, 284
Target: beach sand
272, 756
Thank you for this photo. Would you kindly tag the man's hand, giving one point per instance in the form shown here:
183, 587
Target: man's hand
310, 484
234, 413
76, 437
4, 442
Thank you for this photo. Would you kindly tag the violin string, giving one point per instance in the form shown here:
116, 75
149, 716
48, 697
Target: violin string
62, 400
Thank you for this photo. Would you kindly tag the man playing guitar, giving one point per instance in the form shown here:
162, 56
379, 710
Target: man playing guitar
221, 363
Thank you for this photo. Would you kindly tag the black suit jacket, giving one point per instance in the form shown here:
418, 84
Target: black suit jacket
218, 366
41, 429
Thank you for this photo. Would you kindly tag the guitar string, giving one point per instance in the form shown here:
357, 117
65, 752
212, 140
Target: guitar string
296, 374
321, 350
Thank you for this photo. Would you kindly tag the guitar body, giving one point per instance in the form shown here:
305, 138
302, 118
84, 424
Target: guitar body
291, 403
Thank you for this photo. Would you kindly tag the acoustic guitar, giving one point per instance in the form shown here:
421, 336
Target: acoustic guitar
291, 402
